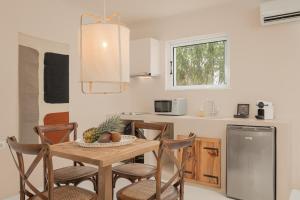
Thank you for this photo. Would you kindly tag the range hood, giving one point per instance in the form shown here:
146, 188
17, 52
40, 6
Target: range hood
142, 74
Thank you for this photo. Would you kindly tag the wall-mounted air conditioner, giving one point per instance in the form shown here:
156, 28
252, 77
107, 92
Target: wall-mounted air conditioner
279, 11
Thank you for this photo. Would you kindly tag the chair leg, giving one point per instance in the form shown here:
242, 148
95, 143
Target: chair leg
114, 180
22, 195
115, 177
95, 183
181, 190
113, 185
132, 180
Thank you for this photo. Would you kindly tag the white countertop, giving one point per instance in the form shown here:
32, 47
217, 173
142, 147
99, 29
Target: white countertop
228, 120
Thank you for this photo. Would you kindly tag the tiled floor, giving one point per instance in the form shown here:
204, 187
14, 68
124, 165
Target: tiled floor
191, 192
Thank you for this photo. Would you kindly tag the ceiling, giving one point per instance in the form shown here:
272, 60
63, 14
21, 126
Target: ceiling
133, 11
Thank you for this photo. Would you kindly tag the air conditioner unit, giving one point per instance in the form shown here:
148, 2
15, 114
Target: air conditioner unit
279, 11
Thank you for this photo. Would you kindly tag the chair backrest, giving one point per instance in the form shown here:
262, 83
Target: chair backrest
40, 151
136, 127
168, 146
47, 132
160, 127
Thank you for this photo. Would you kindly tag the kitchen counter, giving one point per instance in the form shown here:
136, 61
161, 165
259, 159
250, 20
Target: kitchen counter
228, 120
216, 128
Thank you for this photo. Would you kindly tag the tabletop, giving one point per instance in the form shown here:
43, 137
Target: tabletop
103, 156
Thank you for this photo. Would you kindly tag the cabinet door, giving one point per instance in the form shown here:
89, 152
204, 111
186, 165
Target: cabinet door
191, 163
208, 168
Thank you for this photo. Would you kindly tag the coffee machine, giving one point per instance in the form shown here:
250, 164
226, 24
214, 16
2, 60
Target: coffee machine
265, 110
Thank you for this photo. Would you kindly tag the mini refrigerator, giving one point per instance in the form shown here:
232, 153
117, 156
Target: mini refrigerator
251, 162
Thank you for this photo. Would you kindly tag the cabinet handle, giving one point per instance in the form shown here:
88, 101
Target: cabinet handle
171, 67
215, 151
211, 148
211, 176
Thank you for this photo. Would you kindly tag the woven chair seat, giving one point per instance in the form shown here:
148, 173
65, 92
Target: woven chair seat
73, 173
69, 193
135, 169
143, 190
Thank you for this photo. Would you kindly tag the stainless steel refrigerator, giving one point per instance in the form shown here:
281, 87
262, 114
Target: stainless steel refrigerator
251, 162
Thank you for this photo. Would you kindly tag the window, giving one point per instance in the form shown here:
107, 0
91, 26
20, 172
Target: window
198, 63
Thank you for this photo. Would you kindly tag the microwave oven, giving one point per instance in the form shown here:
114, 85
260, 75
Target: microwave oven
176, 106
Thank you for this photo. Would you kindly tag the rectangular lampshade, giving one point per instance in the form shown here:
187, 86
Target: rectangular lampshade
105, 53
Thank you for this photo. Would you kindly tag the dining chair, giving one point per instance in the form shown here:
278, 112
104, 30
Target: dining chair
27, 189
156, 189
71, 174
139, 171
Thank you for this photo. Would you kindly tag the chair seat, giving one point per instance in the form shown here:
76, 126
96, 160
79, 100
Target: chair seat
73, 173
69, 193
136, 170
143, 190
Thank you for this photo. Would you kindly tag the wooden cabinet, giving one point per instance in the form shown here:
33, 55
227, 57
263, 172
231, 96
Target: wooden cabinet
190, 167
204, 164
208, 168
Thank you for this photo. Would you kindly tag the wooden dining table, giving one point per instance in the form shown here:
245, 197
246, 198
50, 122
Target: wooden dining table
103, 158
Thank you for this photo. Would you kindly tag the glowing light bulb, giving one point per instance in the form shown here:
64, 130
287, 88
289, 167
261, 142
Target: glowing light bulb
104, 44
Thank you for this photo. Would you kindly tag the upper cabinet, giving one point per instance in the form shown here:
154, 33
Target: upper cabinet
144, 57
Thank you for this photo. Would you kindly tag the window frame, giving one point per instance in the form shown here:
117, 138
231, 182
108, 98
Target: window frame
171, 78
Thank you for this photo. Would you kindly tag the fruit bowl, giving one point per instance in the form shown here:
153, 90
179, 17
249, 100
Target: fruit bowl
125, 140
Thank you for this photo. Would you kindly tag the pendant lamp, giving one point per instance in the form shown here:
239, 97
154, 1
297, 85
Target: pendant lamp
104, 54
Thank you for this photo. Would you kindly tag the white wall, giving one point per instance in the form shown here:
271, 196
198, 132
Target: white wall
264, 64
55, 20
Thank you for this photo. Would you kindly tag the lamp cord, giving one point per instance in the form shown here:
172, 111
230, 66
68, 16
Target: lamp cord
104, 10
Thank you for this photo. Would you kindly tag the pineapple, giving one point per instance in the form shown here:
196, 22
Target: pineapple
112, 124
89, 136
103, 132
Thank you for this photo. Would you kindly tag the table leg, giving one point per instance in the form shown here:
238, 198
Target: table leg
105, 183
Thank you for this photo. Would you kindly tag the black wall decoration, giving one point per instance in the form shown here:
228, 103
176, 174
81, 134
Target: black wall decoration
56, 78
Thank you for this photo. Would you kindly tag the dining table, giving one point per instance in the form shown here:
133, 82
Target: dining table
103, 158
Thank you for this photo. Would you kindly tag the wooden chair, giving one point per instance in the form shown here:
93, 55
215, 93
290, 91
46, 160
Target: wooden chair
71, 174
41, 151
155, 189
138, 171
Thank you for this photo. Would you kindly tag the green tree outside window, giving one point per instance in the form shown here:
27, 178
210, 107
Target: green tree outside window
200, 64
